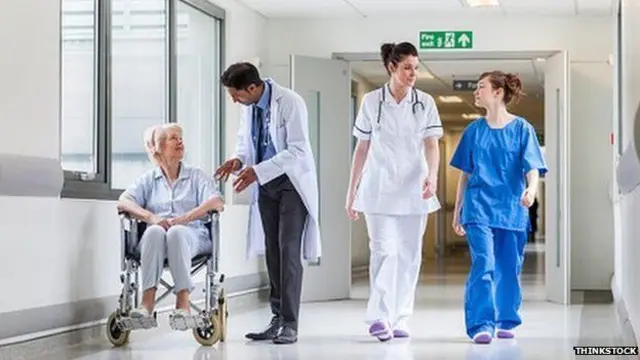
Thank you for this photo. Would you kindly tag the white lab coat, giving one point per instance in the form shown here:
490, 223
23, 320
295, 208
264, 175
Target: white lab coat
289, 132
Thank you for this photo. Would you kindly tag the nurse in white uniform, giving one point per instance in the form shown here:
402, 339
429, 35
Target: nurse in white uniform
393, 183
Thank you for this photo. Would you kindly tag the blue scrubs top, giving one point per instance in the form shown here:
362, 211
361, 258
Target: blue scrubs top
497, 161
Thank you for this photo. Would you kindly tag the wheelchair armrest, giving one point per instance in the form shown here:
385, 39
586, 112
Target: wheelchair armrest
131, 230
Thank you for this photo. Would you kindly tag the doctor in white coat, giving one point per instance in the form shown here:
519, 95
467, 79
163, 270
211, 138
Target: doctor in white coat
393, 182
274, 160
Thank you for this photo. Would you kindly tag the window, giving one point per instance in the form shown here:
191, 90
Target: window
139, 88
78, 86
198, 71
143, 63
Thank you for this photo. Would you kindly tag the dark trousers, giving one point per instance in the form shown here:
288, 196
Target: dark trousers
283, 218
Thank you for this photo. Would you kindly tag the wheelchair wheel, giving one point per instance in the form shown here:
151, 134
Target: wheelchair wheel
223, 314
116, 336
208, 336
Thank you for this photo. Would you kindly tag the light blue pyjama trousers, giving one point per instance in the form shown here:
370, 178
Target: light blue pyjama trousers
180, 244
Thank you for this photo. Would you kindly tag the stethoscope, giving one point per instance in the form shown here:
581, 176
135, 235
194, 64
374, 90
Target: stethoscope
415, 103
266, 116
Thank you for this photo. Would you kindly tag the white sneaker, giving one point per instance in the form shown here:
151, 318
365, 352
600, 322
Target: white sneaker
140, 312
140, 318
181, 320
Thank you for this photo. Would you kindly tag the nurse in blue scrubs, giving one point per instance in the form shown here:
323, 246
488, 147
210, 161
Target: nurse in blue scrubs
501, 161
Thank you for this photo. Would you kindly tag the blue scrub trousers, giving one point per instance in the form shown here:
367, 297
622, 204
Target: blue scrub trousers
493, 293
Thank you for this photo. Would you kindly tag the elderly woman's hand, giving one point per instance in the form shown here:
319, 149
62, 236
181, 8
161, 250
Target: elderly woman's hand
157, 220
180, 220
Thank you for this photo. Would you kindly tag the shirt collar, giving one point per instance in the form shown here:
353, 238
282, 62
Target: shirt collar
263, 103
183, 172
389, 97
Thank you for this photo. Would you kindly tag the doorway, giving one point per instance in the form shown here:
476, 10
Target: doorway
450, 79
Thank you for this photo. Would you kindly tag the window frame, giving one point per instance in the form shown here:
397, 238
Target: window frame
97, 186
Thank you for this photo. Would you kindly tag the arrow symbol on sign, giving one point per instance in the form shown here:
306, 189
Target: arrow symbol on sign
464, 40
458, 85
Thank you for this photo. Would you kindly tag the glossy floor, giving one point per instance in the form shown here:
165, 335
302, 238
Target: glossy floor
336, 329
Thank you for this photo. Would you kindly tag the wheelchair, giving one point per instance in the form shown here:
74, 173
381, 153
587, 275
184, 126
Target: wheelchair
210, 322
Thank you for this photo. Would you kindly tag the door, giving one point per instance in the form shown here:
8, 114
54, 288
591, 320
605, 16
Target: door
325, 86
556, 122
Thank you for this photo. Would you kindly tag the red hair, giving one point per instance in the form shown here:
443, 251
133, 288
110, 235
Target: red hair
509, 83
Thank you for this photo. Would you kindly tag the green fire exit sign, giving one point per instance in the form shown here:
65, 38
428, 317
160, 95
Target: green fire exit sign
446, 40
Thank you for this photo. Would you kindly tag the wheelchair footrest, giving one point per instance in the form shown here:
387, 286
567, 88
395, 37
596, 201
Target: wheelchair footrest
135, 323
186, 322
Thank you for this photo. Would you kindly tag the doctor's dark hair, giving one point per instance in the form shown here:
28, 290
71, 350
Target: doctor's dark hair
395, 53
240, 76
510, 83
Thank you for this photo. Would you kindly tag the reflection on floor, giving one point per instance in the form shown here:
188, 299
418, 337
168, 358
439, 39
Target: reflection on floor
336, 329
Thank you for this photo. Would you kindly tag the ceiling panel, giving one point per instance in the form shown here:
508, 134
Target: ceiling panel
375, 6
539, 7
301, 8
364, 8
595, 6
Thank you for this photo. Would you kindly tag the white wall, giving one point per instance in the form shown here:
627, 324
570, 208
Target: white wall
630, 204
63, 251
592, 250
589, 42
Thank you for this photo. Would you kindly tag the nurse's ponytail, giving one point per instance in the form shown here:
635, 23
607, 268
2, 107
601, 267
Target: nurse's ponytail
514, 88
509, 83
392, 54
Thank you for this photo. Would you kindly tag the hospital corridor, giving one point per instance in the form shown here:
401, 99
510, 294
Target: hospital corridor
317, 179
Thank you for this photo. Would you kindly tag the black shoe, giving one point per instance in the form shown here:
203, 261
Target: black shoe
286, 335
269, 333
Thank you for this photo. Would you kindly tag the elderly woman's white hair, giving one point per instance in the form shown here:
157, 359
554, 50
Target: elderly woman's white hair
154, 138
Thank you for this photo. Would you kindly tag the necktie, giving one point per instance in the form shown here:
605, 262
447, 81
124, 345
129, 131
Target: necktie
259, 133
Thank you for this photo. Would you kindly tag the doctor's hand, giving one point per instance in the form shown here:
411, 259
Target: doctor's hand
429, 187
528, 197
229, 166
245, 178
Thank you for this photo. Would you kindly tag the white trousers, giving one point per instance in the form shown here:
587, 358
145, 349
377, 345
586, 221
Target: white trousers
396, 255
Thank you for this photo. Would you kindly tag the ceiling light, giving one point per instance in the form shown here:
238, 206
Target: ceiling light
450, 99
470, 116
482, 3
541, 59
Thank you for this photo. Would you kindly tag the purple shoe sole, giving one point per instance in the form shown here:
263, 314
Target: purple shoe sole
482, 339
400, 334
505, 334
380, 331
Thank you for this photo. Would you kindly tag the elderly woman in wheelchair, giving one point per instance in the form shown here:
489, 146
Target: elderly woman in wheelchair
172, 202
